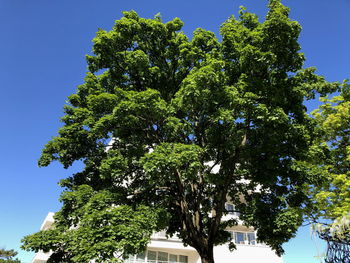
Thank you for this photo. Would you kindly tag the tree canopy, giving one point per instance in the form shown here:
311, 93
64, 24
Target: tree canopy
8, 256
333, 196
170, 127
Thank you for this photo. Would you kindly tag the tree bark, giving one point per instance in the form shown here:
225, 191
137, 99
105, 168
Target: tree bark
206, 253
207, 256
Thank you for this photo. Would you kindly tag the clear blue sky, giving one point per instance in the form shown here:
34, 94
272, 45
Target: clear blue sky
43, 44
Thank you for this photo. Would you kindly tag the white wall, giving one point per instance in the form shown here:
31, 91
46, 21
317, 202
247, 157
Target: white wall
245, 254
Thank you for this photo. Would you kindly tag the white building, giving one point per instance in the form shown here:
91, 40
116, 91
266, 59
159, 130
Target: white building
171, 250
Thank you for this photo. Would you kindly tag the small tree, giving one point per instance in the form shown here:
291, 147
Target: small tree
332, 155
170, 128
7, 256
333, 116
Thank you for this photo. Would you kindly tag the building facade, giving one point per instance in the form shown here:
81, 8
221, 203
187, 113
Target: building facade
171, 250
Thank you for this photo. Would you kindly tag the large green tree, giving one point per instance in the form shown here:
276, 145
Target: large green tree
8, 256
169, 128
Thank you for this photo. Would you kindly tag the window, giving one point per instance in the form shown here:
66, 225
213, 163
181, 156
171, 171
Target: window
230, 208
248, 238
240, 238
162, 257
183, 259
151, 256
232, 236
157, 257
251, 238
172, 258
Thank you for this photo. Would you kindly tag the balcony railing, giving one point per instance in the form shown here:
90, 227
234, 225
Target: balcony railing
162, 235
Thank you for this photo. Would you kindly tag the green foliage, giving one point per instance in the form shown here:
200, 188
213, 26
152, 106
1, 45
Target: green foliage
332, 197
90, 226
7, 256
169, 128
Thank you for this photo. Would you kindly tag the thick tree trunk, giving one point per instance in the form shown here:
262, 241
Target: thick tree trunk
207, 260
207, 255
